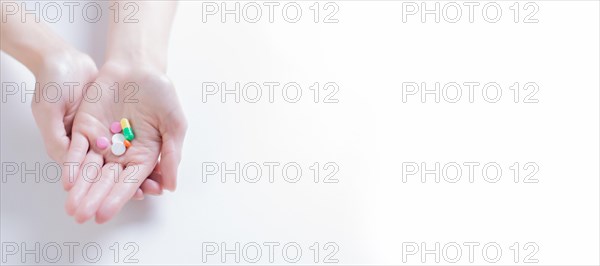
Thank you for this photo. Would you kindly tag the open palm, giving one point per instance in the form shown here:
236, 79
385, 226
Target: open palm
103, 182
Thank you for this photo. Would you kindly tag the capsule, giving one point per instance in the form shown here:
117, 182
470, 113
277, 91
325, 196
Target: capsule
127, 131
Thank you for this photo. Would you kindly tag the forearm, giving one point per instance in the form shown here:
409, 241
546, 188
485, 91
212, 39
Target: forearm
144, 42
33, 44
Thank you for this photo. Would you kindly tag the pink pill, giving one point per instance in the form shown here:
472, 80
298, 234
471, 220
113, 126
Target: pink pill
102, 143
115, 127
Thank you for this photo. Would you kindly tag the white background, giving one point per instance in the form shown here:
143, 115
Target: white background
369, 133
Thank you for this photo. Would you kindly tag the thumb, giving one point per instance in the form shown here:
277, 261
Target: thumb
52, 128
170, 155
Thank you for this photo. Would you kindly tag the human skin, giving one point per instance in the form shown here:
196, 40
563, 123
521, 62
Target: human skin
56, 65
136, 54
52, 61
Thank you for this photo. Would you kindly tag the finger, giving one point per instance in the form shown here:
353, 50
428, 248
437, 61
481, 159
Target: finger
170, 155
152, 184
76, 154
53, 132
156, 174
98, 192
151, 187
91, 172
139, 195
129, 182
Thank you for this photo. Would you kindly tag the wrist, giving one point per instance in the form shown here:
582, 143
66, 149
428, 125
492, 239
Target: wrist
62, 61
135, 61
137, 49
53, 59
40, 55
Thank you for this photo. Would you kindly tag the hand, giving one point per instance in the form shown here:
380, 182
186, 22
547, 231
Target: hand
63, 78
159, 126
60, 84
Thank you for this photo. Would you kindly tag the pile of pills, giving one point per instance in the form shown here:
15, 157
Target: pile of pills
120, 142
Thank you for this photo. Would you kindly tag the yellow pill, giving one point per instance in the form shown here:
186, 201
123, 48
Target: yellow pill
127, 131
125, 123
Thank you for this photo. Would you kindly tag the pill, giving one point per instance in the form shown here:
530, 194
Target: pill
127, 143
118, 138
102, 143
125, 123
127, 131
118, 148
115, 127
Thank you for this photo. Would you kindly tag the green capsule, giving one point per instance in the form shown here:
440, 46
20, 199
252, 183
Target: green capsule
128, 133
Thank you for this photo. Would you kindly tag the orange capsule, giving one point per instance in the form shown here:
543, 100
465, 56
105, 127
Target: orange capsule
127, 143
